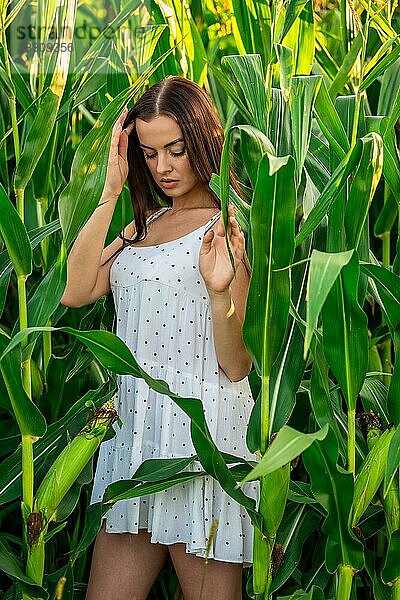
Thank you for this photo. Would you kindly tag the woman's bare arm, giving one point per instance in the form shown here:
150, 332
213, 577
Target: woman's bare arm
85, 276
87, 280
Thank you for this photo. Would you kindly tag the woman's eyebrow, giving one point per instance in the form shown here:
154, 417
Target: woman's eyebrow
166, 145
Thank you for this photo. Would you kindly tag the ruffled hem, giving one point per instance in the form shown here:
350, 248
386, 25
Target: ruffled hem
185, 513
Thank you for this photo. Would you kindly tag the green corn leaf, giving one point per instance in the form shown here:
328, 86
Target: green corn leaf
15, 236
378, 20
279, 124
389, 95
297, 526
287, 445
393, 459
288, 368
23, 92
272, 219
35, 236
37, 139
233, 91
242, 210
391, 506
246, 77
391, 161
380, 68
272, 225
325, 408
253, 145
161, 468
162, 13
317, 168
4, 283
331, 192
306, 41
47, 295
301, 101
394, 387
362, 189
373, 395
101, 44
11, 566
377, 57
330, 123
301, 39
388, 287
387, 217
292, 12
192, 47
47, 537
253, 23
342, 76
367, 150
326, 62
274, 492
346, 109
4, 158
7, 84
93, 520
324, 270
370, 476
333, 488
316, 593
345, 337
286, 68
391, 568
43, 124
30, 420
127, 489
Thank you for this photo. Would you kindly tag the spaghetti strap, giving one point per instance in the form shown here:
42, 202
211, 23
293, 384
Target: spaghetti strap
212, 221
156, 214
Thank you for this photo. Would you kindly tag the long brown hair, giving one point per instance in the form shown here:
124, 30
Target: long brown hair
203, 134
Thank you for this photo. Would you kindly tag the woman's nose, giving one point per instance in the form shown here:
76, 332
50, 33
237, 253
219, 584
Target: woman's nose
163, 164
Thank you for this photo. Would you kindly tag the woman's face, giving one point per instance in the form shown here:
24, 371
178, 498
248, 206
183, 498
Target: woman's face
163, 148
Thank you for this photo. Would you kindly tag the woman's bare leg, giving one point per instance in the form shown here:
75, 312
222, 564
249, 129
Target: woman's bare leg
124, 566
223, 580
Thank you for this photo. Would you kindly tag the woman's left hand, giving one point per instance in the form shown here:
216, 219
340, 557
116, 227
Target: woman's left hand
214, 261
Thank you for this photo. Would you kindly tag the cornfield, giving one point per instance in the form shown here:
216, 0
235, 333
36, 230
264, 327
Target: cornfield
309, 97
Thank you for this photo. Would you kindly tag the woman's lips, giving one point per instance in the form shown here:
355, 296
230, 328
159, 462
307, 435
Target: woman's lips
169, 184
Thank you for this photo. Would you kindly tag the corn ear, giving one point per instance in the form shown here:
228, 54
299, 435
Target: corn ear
371, 474
70, 463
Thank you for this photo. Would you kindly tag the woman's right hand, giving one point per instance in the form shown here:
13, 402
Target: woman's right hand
117, 168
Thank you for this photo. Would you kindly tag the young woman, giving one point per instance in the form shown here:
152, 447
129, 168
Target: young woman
180, 310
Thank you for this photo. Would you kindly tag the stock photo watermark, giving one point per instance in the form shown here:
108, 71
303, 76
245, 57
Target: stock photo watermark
29, 39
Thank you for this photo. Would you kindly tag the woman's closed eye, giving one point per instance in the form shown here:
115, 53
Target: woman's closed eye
174, 154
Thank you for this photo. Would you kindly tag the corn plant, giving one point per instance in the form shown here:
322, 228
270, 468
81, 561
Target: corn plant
310, 99
338, 276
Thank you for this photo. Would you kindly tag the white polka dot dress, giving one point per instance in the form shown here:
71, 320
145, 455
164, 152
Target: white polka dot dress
163, 315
